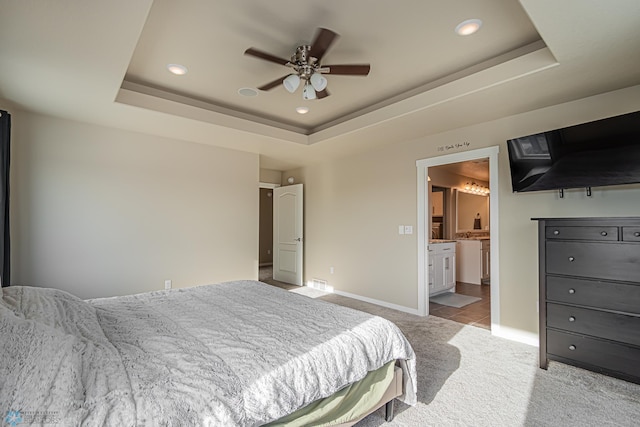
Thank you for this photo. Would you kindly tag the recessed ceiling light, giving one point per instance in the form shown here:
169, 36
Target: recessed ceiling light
177, 69
302, 110
247, 91
468, 27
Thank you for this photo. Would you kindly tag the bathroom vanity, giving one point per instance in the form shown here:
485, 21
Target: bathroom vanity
442, 266
474, 259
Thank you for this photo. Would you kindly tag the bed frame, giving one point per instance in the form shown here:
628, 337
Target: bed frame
394, 390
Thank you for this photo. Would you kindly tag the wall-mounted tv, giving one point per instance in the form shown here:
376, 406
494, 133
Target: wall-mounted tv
593, 154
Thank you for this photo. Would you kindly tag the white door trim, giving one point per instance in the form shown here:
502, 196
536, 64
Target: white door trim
424, 231
268, 185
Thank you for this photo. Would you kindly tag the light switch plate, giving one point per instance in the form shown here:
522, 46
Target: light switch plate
401, 229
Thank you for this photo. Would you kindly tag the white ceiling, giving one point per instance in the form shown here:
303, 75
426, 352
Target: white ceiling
477, 169
104, 63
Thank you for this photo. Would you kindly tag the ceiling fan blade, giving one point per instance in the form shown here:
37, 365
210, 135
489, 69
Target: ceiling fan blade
322, 42
266, 56
350, 70
272, 84
322, 94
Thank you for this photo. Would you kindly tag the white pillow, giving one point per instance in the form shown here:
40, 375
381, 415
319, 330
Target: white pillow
54, 308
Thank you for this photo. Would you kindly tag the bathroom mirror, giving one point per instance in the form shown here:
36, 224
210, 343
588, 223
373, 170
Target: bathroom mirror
468, 206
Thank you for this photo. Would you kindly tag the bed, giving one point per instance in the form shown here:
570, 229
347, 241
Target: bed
239, 353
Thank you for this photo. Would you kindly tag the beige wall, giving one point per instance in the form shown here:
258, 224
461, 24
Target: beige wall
98, 211
353, 207
270, 176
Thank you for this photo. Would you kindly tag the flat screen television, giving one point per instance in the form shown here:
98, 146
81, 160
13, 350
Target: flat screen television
594, 154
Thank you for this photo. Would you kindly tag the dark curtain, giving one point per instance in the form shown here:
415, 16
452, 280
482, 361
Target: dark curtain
5, 157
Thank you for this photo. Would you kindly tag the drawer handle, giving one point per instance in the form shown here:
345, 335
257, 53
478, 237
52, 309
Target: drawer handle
572, 291
637, 234
572, 347
556, 232
571, 259
603, 234
572, 319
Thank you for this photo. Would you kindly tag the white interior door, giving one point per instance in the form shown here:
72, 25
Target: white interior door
287, 234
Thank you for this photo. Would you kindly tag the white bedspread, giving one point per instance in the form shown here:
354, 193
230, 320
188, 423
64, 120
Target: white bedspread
238, 353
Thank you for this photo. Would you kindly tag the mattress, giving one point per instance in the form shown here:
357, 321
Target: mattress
236, 354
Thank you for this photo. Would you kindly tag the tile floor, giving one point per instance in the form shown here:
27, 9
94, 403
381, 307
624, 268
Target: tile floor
476, 314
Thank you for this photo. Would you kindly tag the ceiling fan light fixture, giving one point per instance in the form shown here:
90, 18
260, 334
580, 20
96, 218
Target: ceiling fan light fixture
308, 92
291, 82
307, 65
468, 27
318, 81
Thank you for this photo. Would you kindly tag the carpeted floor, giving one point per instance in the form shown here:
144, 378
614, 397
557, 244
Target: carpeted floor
467, 377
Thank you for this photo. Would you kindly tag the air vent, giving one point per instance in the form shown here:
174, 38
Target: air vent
320, 285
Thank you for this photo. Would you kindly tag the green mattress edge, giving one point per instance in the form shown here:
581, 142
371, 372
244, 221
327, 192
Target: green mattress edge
348, 404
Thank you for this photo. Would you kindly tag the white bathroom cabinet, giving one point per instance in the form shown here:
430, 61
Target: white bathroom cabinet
442, 267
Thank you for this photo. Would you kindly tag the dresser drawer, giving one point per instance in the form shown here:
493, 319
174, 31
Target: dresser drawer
605, 233
613, 261
594, 293
594, 352
602, 324
631, 234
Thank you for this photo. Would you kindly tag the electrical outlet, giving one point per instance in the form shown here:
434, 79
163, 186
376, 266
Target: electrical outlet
408, 229
331, 270
167, 284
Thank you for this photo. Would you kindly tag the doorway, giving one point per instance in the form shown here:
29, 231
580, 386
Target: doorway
462, 189
265, 230
425, 220
281, 250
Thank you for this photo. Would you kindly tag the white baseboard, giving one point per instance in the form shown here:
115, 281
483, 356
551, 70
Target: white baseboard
515, 335
378, 302
512, 334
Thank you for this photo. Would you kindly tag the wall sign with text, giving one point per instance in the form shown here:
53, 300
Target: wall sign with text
455, 146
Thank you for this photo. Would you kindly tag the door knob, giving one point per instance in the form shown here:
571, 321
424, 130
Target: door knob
299, 239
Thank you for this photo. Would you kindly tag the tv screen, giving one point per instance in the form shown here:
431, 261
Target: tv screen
594, 154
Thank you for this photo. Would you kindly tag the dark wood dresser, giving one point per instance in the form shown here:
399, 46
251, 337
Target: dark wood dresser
590, 294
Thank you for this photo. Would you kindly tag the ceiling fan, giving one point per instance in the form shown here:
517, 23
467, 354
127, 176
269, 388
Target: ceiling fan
307, 67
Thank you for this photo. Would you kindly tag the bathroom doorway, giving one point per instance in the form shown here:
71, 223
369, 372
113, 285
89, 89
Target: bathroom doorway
459, 196
425, 220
